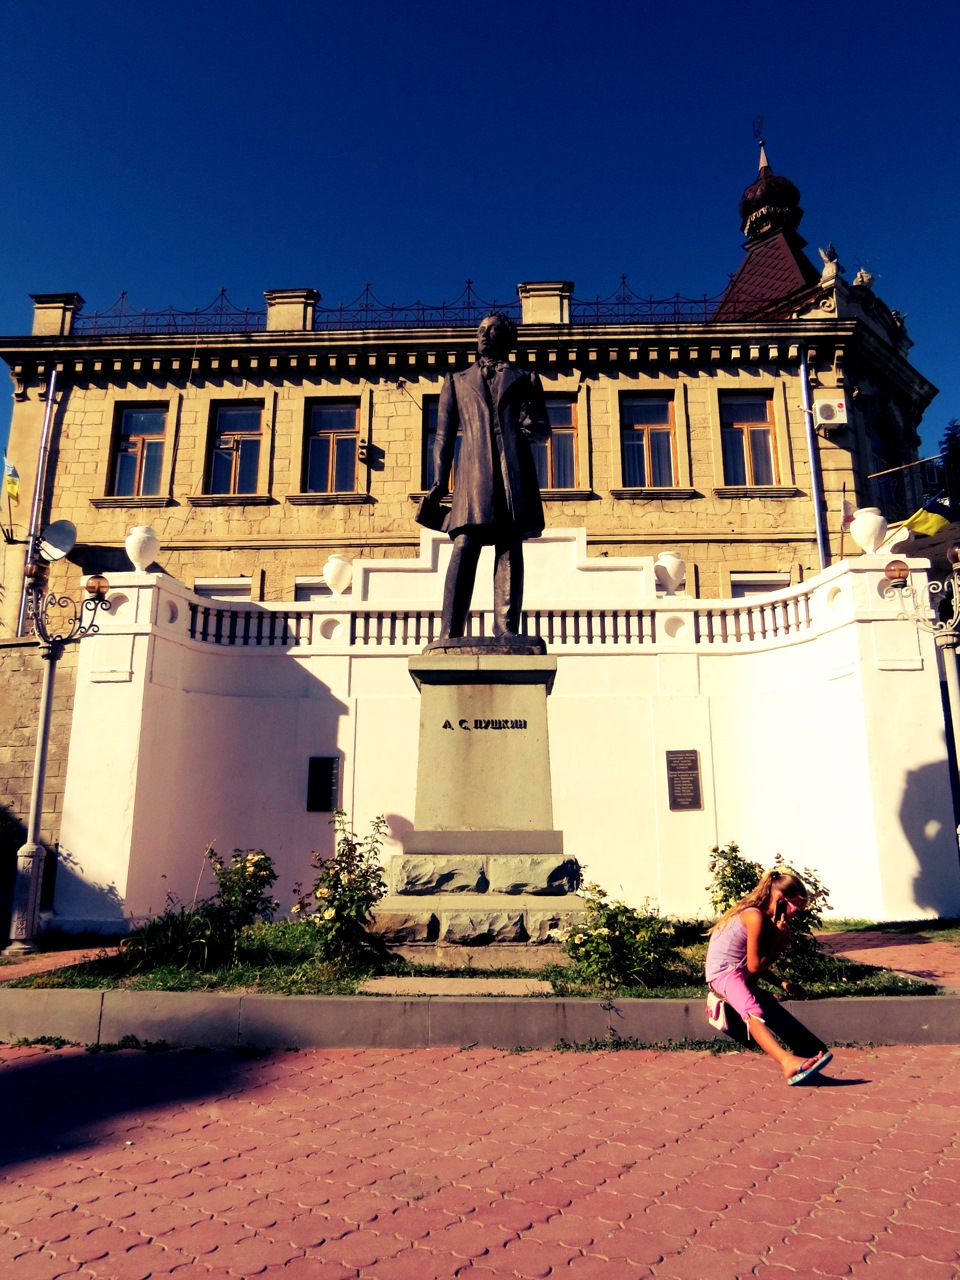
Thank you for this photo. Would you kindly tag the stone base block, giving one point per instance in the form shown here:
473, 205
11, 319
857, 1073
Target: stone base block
473, 920
541, 875
478, 928
422, 875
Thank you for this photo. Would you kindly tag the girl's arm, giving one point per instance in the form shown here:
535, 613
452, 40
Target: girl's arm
763, 945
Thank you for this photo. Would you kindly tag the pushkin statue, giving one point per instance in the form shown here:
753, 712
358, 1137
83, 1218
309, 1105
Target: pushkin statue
498, 410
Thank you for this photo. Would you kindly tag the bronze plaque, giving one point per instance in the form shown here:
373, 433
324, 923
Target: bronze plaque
683, 780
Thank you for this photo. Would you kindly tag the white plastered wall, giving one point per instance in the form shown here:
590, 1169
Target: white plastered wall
822, 740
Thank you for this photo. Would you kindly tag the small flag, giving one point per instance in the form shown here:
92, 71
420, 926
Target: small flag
847, 512
11, 479
929, 519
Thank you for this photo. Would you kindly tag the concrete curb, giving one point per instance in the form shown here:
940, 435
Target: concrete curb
226, 1020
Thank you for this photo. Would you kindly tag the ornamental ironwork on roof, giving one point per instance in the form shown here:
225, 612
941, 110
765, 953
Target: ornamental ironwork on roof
622, 307
221, 316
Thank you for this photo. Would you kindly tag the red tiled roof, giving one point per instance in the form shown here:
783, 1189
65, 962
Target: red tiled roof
774, 277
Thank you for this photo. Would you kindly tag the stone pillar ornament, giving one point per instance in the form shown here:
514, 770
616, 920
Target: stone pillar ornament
670, 571
142, 545
868, 528
337, 573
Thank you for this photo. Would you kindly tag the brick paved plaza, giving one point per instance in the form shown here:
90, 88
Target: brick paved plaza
435, 1163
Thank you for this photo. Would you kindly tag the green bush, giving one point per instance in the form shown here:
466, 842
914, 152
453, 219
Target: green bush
618, 946
345, 891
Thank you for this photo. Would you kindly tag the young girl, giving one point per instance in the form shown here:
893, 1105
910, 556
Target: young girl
744, 943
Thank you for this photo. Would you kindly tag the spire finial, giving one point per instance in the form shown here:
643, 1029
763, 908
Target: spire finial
764, 162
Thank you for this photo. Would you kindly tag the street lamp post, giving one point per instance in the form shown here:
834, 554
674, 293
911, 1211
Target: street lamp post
936, 610
57, 621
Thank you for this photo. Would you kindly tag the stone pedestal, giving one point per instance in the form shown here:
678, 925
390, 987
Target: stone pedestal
483, 864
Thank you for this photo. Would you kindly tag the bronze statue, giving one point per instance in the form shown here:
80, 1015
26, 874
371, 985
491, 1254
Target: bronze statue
498, 409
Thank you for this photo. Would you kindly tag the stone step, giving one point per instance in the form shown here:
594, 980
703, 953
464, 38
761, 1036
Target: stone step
475, 919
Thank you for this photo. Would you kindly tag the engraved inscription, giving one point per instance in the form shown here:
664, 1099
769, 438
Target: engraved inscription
683, 780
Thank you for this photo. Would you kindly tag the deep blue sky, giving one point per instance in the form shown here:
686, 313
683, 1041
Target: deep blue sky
173, 148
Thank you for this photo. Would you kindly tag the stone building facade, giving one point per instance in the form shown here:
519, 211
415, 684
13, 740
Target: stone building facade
258, 444
255, 452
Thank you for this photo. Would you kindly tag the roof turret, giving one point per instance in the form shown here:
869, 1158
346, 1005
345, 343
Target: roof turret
772, 203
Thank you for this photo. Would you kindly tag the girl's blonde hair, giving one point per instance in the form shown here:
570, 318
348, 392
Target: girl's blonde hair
790, 885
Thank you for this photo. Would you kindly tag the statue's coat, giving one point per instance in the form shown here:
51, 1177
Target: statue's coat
520, 412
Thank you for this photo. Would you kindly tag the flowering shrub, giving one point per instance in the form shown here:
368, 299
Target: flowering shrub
345, 891
616, 945
243, 885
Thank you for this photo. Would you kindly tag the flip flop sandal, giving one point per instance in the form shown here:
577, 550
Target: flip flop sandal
811, 1067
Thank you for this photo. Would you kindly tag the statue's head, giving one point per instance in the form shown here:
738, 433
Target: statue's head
496, 335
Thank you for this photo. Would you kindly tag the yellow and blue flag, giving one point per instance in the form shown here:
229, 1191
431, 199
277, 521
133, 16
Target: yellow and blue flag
929, 519
11, 479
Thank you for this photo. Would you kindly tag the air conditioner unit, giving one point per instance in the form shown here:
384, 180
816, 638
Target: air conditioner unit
830, 414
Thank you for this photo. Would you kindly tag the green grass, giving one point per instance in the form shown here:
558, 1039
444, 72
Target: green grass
281, 959
946, 930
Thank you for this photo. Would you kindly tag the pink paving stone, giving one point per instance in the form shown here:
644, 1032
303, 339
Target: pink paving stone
733, 1234
809, 1254
302, 1231
468, 1239
43, 1266
593, 1268
699, 1263
927, 1213
568, 1229
631, 1245
413, 1222
202, 1237
529, 1259
97, 1244
360, 1248
249, 1257
919, 1242
138, 1263
315, 1269
888, 1267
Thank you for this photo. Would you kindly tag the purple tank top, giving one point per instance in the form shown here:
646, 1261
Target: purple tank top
727, 949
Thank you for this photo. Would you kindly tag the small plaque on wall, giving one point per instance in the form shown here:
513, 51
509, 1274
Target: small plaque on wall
683, 780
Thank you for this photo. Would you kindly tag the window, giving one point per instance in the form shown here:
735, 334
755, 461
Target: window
646, 439
746, 436
139, 456
430, 406
223, 588
235, 448
556, 457
330, 464
757, 584
323, 784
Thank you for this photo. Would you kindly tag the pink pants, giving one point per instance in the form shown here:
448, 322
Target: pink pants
734, 988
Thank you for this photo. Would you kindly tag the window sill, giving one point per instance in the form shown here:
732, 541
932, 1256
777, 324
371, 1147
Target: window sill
667, 491
327, 499
230, 499
152, 501
756, 491
548, 495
